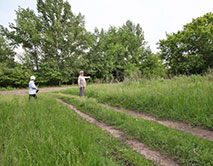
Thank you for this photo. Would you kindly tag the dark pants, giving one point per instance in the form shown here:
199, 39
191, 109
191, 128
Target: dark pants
82, 91
34, 95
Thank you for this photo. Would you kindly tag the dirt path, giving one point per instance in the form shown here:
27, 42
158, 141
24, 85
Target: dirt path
139, 147
202, 133
23, 92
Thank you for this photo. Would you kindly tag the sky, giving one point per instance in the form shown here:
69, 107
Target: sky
156, 17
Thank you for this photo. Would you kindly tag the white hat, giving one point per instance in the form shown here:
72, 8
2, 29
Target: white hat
81, 72
32, 77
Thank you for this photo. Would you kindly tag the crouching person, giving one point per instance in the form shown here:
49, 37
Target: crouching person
33, 89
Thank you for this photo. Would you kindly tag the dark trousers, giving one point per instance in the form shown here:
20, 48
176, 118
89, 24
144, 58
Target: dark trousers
82, 91
34, 95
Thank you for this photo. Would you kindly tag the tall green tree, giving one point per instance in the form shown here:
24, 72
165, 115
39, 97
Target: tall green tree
190, 51
7, 53
26, 33
11, 73
116, 53
6, 61
64, 39
53, 40
134, 47
152, 66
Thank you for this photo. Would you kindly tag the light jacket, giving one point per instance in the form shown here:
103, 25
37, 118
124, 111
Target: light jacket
32, 88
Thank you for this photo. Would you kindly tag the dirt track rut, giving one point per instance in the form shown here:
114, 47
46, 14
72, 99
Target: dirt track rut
202, 133
139, 147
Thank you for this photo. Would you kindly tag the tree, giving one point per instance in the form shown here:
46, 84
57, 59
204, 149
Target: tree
152, 65
11, 73
116, 53
6, 60
53, 40
64, 39
190, 51
7, 53
134, 47
26, 32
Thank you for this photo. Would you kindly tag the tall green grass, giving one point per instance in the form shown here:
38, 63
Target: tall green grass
186, 99
45, 132
188, 150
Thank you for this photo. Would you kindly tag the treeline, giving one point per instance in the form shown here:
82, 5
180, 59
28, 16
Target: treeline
57, 45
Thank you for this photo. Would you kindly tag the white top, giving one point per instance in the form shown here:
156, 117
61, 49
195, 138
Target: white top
32, 88
82, 81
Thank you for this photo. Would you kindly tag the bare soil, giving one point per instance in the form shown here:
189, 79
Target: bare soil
197, 131
136, 145
23, 92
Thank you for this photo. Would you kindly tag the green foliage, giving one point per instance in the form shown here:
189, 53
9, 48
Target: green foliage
118, 52
188, 150
46, 132
6, 51
187, 99
57, 46
152, 66
11, 73
65, 38
53, 40
15, 77
190, 51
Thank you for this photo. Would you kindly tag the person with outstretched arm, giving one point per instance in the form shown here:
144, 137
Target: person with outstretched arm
33, 89
82, 82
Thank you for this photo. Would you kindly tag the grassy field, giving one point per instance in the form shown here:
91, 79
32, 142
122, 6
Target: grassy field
184, 148
186, 99
44, 132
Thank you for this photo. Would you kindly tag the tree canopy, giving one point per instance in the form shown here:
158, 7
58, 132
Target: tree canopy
57, 46
116, 53
190, 51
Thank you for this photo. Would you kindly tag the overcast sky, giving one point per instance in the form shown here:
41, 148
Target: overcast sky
156, 17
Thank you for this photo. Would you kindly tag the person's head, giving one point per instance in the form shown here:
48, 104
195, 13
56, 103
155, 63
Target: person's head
81, 73
32, 78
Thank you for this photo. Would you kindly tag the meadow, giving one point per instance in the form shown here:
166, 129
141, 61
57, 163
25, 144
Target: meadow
185, 99
184, 148
47, 132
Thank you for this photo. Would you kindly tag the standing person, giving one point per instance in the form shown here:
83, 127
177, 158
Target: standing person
33, 89
82, 82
